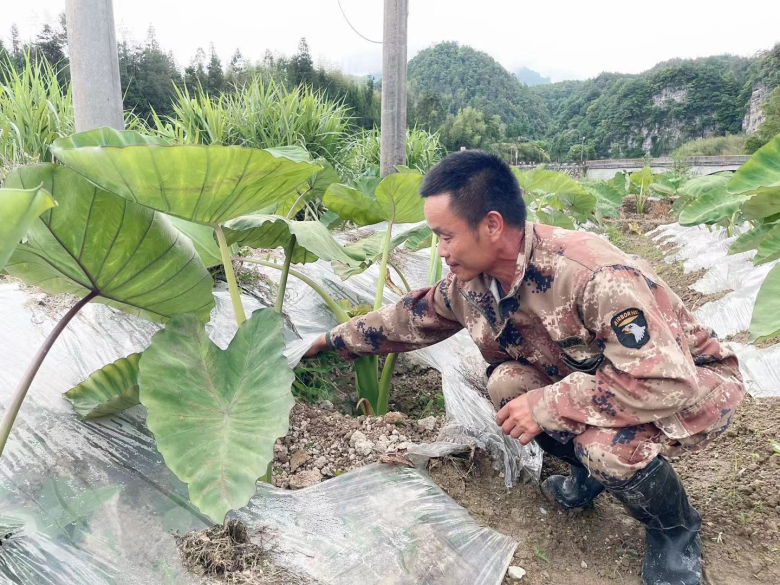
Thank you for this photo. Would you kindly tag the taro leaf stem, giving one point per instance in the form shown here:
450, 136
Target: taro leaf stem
434, 267
384, 384
380, 285
230, 276
288, 254
24, 385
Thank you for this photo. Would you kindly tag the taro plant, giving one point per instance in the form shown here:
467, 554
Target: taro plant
555, 198
751, 194
99, 247
639, 185
215, 414
394, 199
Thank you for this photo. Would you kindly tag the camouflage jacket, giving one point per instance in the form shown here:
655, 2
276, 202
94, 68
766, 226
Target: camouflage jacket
618, 345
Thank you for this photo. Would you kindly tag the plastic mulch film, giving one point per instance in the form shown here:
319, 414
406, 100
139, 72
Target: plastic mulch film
700, 249
378, 524
93, 502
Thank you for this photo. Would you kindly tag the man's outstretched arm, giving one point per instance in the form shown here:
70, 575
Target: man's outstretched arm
421, 318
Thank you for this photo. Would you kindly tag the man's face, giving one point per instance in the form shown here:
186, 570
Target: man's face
468, 252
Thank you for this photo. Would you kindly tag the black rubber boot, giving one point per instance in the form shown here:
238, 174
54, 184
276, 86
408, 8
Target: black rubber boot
655, 496
576, 490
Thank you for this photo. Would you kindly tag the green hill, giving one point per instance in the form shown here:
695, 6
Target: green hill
613, 114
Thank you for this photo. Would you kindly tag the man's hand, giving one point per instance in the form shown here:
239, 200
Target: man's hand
318, 346
516, 420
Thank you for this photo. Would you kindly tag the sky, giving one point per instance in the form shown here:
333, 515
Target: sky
561, 39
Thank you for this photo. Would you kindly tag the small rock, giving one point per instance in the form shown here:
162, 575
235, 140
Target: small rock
325, 404
381, 446
356, 436
543, 511
321, 462
516, 573
364, 447
394, 417
298, 458
305, 479
281, 454
584, 565
427, 423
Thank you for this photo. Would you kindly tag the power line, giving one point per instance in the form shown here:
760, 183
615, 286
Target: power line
353, 28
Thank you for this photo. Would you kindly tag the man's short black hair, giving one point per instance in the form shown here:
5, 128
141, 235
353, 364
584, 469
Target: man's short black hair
478, 182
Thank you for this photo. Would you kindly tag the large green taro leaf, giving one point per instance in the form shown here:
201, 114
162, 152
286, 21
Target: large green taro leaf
751, 238
313, 240
765, 203
367, 251
205, 184
396, 198
765, 322
109, 390
761, 170
699, 186
711, 201
768, 248
93, 241
216, 414
19, 208
353, 204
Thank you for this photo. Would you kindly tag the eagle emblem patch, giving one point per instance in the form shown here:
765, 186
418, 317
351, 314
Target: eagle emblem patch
630, 326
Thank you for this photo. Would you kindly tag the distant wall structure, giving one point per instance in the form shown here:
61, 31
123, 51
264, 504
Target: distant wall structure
606, 168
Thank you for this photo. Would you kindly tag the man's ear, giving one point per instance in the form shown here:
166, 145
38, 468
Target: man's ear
494, 225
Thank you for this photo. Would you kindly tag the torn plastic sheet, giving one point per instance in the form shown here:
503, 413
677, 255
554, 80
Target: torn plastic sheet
93, 502
378, 524
701, 249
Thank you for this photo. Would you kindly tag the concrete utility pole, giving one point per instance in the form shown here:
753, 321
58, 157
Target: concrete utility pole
393, 147
94, 65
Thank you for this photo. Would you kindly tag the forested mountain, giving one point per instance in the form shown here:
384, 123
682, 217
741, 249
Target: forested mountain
612, 115
463, 77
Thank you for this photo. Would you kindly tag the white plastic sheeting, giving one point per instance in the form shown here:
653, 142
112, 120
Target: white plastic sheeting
700, 249
93, 502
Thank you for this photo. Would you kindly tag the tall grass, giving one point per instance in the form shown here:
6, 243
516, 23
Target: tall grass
35, 110
259, 115
713, 146
423, 150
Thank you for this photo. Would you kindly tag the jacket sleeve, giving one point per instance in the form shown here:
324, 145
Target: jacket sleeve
648, 372
421, 318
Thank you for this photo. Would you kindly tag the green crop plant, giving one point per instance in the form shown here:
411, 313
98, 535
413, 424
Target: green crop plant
750, 194
639, 185
394, 199
110, 239
555, 198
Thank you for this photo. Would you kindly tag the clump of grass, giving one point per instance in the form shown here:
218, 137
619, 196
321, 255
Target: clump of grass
259, 115
423, 150
35, 110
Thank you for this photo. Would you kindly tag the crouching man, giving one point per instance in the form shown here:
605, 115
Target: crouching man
591, 354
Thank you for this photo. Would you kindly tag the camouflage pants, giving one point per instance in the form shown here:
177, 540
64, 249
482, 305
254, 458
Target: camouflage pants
612, 455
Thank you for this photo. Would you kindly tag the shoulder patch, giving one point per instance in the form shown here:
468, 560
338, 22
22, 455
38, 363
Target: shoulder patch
630, 326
